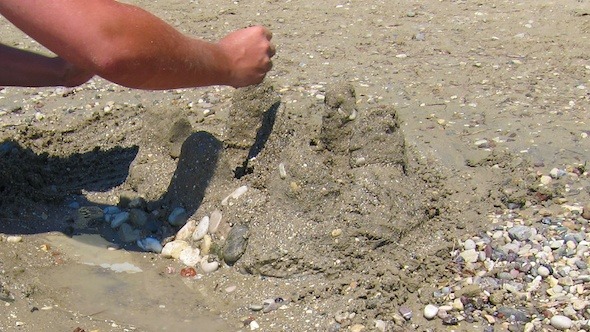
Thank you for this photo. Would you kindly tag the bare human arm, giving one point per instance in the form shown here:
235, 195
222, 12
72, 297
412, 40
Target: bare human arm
131, 47
24, 68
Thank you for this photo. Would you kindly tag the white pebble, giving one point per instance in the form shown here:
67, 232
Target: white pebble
150, 244
207, 266
14, 239
543, 271
235, 195
190, 256
430, 311
187, 230
201, 229
282, 171
561, 322
174, 248
214, 221
469, 244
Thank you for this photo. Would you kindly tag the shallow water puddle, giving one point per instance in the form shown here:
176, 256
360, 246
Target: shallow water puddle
124, 287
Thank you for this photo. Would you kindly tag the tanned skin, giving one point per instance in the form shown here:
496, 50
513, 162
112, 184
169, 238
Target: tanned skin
125, 45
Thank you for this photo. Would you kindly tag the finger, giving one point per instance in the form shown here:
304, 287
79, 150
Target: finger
272, 50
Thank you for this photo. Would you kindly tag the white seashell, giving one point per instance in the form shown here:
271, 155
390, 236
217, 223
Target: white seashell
207, 266
201, 229
187, 230
119, 219
150, 244
206, 244
174, 248
235, 195
214, 221
190, 256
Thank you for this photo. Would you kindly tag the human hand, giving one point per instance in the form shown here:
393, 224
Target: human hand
249, 52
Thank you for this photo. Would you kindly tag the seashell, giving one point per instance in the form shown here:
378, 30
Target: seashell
201, 229
206, 244
207, 266
214, 221
187, 230
150, 244
119, 219
190, 256
235, 194
174, 248
177, 217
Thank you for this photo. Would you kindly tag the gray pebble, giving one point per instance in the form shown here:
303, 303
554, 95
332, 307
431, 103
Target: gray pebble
236, 243
514, 314
520, 233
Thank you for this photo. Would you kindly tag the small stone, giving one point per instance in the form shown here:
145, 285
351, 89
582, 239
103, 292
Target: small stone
586, 211
201, 229
214, 221
231, 289
430, 311
546, 179
14, 239
207, 266
254, 325
520, 233
255, 307
119, 219
138, 217
236, 243
178, 217
337, 232
187, 230
357, 328
128, 234
482, 143
190, 256
561, 322
469, 244
380, 325
543, 271
470, 255
406, 312
174, 248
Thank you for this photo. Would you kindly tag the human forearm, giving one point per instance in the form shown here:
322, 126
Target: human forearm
24, 68
131, 47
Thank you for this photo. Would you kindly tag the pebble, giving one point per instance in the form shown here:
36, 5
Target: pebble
469, 244
215, 221
236, 243
586, 211
207, 266
561, 322
520, 233
543, 271
201, 229
178, 217
190, 256
406, 312
430, 311
234, 195
150, 244
119, 219
174, 248
14, 239
187, 230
